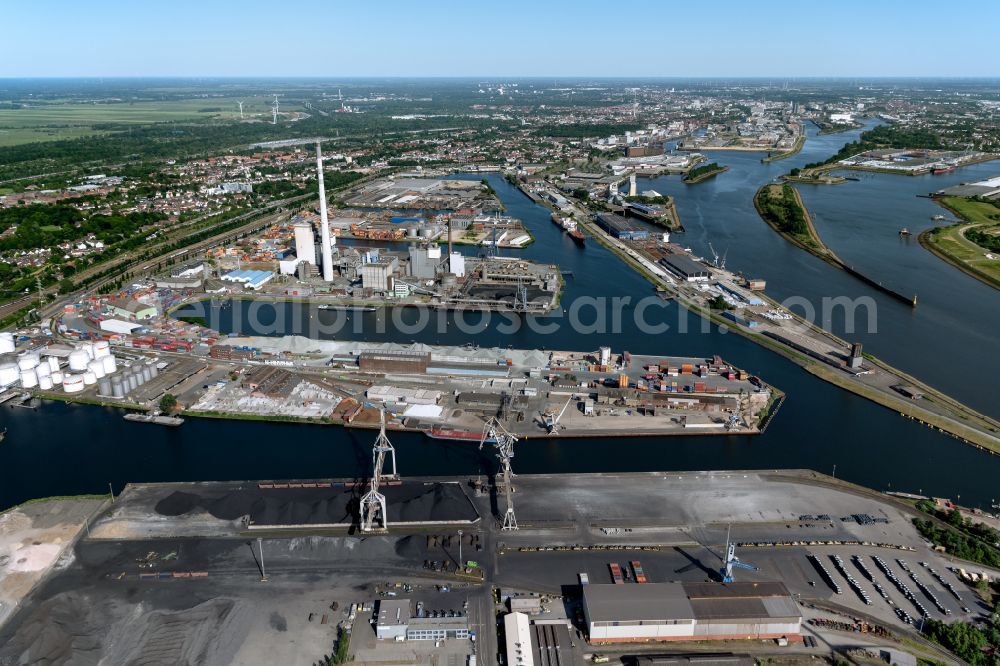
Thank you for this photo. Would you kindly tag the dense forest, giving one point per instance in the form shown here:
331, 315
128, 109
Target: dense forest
48, 225
976, 645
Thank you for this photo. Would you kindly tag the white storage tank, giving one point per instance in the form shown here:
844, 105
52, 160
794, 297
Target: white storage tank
27, 361
9, 373
73, 383
57, 377
101, 349
130, 383
104, 386
45, 382
97, 367
6, 342
109, 363
89, 378
78, 360
28, 378
53, 363
43, 370
88, 347
153, 370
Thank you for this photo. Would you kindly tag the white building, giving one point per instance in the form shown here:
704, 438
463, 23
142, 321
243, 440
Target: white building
517, 630
456, 264
690, 611
305, 242
376, 276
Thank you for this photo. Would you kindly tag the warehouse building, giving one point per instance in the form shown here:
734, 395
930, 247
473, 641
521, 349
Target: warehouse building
689, 611
394, 361
619, 227
396, 622
686, 268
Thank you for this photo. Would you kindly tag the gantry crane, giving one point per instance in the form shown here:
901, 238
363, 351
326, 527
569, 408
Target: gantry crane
503, 441
731, 562
373, 502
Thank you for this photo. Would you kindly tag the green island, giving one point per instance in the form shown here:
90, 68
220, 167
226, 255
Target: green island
969, 245
781, 207
704, 172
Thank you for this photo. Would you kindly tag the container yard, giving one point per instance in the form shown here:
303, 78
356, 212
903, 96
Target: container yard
446, 392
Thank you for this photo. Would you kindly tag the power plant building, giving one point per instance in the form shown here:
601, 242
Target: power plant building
689, 611
305, 242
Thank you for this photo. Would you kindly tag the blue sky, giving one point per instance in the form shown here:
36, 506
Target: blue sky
338, 38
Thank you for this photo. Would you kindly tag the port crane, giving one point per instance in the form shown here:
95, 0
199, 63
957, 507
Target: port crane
503, 441
731, 562
551, 420
373, 502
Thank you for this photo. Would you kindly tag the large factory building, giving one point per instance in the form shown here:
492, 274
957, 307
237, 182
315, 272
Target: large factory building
689, 611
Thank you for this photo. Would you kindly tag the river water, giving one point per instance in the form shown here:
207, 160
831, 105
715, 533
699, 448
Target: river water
65, 449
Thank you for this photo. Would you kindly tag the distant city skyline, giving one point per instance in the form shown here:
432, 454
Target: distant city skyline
391, 38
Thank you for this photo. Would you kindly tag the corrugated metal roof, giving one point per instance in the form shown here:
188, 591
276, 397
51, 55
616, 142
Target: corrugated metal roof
653, 601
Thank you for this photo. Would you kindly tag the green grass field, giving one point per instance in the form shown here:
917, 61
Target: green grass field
950, 242
71, 120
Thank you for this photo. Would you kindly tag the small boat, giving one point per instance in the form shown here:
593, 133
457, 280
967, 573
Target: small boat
3, 434
578, 237
938, 218
904, 232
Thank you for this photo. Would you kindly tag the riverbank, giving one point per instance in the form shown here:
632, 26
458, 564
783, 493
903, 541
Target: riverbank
950, 244
809, 239
952, 417
795, 149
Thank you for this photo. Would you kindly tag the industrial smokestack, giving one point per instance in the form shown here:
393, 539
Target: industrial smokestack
324, 222
449, 245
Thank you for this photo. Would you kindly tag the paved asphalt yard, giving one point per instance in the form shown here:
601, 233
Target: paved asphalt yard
102, 605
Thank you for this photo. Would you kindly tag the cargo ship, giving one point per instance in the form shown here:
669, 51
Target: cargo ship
452, 435
557, 220
942, 168
578, 237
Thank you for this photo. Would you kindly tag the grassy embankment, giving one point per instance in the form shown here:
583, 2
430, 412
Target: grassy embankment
704, 172
952, 244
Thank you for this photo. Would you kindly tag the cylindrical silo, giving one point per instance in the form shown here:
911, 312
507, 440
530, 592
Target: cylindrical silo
78, 360
89, 378
27, 361
101, 349
109, 363
28, 378
9, 373
139, 379
53, 363
104, 386
43, 370
153, 370
117, 390
97, 367
88, 347
146, 374
6, 342
57, 377
131, 383
45, 382
73, 383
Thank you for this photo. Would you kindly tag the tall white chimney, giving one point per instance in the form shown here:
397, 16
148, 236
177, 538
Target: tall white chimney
324, 221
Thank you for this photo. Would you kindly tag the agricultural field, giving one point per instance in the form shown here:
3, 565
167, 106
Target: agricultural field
52, 121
